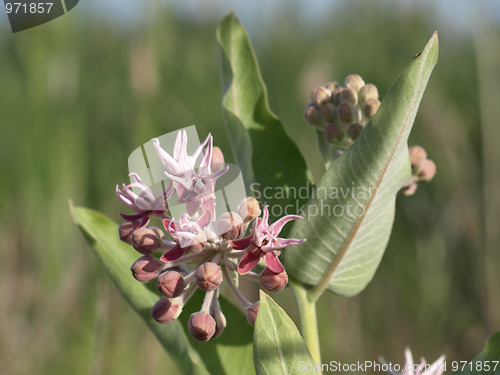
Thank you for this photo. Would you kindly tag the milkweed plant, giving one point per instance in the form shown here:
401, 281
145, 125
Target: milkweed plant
193, 227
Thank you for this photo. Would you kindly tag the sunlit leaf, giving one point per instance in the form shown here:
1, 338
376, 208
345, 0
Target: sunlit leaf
349, 218
261, 148
278, 345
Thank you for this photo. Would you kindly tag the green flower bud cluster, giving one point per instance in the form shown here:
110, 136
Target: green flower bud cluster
342, 112
422, 170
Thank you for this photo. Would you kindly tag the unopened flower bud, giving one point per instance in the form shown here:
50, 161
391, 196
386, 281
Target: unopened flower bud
249, 209
170, 284
220, 323
329, 113
201, 326
332, 85
126, 229
336, 95
145, 240
313, 115
333, 133
252, 313
321, 95
166, 310
349, 95
355, 131
370, 107
417, 158
217, 162
230, 226
409, 189
145, 268
368, 91
347, 112
208, 276
199, 243
354, 81
273, 282
428, 171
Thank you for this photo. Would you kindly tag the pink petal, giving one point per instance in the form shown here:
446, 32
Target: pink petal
277, 226
242, 243
168, 162
208, 205
204, 220
280, 243
214, 176
175, 253
260, 225
273, 263
205, 161
193, 206
132, 217
265, 218
144, 221
177, 145
200, 147
170, 225
249, 260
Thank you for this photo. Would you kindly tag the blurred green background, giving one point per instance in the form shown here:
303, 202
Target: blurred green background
82, 92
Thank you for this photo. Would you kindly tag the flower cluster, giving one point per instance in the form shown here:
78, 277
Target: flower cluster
343, 112
198, 250
422, 170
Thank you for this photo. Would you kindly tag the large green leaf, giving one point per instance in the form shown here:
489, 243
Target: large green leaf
486, 363
349, 218
278, 345
231, 353
261, 148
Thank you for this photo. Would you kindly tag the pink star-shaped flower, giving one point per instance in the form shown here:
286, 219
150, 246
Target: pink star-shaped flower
264, 242
145, 203
194, 187
185, 233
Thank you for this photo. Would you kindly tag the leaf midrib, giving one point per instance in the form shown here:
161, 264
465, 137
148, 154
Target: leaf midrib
329, 273
282, 359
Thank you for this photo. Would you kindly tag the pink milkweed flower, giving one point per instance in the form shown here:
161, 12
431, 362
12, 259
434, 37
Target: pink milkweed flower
264, 242
194, 187
422, 368
185, 233
145, 203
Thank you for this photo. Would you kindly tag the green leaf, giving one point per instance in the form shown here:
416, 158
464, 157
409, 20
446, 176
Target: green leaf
224, 355
488, 357
278, 346
349, 219
261, 148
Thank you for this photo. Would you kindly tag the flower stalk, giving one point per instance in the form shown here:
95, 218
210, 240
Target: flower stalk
308, 319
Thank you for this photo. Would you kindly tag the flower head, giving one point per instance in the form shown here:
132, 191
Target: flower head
145, 203
199, 252
192, 173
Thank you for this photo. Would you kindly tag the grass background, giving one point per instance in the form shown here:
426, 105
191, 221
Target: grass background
80, 93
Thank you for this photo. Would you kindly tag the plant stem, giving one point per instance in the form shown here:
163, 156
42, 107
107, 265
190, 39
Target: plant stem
308, 320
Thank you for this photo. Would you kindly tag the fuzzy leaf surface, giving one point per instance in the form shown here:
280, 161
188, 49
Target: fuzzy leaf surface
261, 148
350, 216
278, 345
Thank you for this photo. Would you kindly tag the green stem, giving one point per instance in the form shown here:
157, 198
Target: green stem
308, 320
